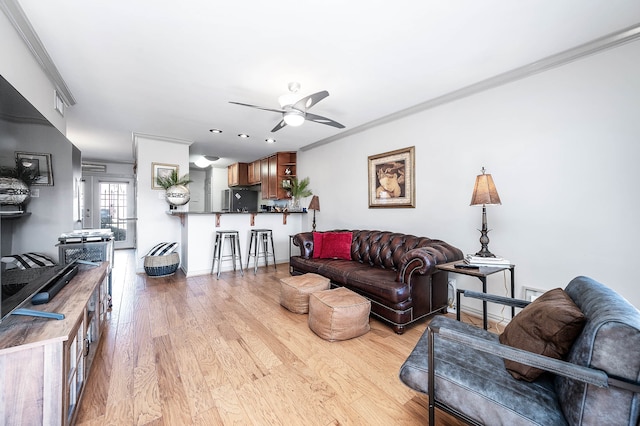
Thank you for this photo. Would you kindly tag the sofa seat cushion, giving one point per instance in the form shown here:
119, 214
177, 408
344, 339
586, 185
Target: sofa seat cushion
338, 270
381, 284
477, 384
378, 283
303, 264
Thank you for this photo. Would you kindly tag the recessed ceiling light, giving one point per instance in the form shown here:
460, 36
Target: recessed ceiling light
243, 135
270, 140
215, 130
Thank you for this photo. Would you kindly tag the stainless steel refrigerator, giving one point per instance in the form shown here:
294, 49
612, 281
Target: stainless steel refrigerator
239, 200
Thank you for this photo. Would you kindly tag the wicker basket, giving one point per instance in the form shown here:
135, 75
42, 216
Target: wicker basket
161, 266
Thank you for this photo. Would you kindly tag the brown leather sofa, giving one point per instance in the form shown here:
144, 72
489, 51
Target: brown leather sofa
397, 272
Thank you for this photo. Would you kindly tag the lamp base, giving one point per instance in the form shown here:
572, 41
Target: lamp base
484, 238
484, 252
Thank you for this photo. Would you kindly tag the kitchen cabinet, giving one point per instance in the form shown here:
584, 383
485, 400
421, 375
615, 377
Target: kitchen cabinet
275, 169
238, 174
273, 178
254, 173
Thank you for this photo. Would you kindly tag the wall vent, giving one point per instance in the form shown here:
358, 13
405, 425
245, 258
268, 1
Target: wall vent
94, 168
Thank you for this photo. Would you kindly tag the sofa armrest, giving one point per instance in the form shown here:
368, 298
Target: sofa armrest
573, 371
423, 261
304, 240
502, 300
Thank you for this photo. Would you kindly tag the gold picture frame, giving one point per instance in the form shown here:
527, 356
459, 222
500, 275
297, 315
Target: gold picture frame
392, 179
161, 170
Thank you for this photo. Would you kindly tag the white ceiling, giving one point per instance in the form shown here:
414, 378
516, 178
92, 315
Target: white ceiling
169, 68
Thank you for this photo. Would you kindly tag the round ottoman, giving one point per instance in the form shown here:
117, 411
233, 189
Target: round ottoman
161, 266
338, 314
295, 291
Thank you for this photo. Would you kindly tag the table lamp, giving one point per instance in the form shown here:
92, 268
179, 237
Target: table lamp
314, 205
484, 193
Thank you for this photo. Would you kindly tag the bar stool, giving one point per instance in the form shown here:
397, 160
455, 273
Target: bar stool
259, 241
218, 250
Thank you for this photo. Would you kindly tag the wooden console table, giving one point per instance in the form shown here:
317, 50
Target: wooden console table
44, 363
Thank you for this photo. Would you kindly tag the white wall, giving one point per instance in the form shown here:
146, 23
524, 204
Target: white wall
40, 231
154, 224
21, 69
196, 188
563, 149
219, 182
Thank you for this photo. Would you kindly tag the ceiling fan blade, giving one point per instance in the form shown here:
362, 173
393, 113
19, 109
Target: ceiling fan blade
279, 126
323, 120
309, 101
257, 107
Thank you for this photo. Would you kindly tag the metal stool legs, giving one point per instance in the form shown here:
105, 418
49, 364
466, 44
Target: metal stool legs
218, 250
259, 247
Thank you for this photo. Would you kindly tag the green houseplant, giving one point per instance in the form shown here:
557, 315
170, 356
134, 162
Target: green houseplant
298, 189
176, 191
172, 179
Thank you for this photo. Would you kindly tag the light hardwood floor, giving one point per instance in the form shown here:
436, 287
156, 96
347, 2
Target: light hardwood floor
182, 351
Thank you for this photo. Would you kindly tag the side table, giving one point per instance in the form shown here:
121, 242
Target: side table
481, 273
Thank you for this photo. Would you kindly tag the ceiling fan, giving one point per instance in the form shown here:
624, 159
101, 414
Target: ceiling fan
295, 112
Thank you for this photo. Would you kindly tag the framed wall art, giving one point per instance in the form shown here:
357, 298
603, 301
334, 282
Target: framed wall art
392, 179
38, 166
161, 170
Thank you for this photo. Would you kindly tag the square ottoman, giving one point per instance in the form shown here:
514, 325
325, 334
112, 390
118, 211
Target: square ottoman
295, 291
338, 314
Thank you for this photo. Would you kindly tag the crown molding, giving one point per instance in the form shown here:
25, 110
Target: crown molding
21, 23
598, 45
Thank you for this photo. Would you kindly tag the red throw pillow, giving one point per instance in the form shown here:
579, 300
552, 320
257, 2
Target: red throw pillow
317, 244
335, 245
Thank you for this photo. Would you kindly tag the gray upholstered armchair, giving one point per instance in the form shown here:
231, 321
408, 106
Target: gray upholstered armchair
598, 382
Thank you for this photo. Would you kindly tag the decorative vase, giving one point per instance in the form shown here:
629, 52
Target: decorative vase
13, 191
294, 205
178, 195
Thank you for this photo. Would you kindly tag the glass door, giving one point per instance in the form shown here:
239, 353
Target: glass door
117, 212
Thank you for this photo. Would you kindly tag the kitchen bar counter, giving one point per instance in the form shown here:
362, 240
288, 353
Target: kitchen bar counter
198, 232
180, 212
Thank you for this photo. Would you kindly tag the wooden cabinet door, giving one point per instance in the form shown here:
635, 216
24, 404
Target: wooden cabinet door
254, 173
273, 177
264, 178
232, 175
237, 174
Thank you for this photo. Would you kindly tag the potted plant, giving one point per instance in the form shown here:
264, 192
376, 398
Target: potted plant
176, 191
298, 189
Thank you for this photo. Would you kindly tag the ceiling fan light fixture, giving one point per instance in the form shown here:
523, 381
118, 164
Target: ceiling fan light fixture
287, 99
294, 118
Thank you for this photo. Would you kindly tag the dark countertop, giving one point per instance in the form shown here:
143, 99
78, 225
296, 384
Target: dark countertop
180, 212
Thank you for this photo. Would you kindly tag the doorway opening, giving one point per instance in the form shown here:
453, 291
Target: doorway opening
116, 207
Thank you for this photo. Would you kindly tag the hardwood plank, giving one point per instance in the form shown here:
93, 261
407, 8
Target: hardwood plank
175, 406
202, 351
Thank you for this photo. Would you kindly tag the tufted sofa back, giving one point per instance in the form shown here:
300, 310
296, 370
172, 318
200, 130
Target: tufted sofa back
385, 249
